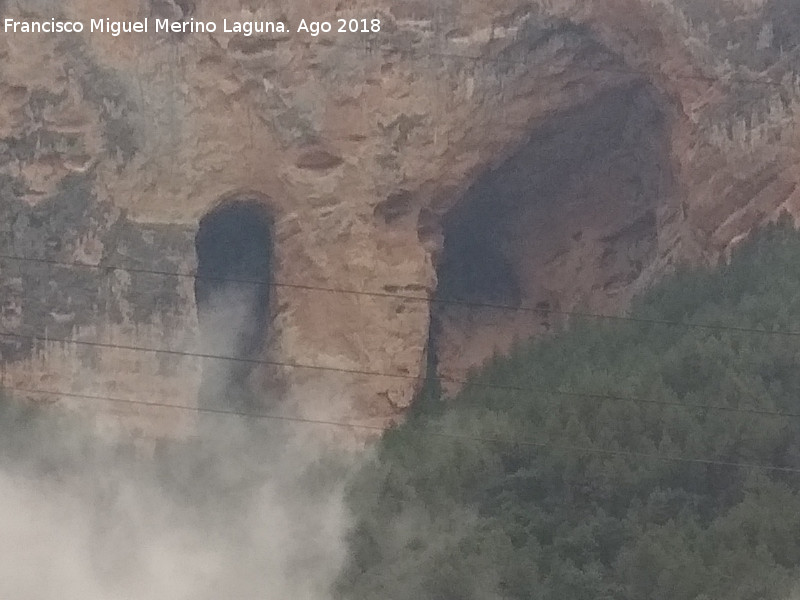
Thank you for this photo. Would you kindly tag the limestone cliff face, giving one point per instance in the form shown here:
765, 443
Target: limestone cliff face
558, 154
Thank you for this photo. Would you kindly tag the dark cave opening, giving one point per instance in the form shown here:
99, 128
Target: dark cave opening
232, 293
567, 220
474, 268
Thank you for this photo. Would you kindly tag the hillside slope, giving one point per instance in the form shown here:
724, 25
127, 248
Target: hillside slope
601, 497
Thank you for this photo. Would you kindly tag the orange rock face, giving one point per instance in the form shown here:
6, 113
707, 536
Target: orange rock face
558, 155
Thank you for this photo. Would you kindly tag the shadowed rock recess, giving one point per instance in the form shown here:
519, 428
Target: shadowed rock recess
555, 155
232, 285
570, 219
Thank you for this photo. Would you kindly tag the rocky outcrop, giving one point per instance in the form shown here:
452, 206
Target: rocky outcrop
572, 151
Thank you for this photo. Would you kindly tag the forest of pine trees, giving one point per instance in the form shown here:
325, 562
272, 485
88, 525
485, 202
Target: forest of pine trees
525, 493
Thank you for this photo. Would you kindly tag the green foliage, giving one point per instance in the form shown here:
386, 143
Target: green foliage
460, 516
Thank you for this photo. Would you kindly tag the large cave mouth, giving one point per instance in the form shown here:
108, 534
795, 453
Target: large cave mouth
569, 220
232, 291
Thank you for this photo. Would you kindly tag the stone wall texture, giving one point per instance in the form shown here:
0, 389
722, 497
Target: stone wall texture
601, 142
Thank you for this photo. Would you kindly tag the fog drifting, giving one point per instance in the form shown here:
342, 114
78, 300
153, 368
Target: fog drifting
232, 518
249, 509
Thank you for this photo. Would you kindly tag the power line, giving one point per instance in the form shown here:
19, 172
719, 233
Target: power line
411, 298
427, 432
462, 382
538, 311
197, 409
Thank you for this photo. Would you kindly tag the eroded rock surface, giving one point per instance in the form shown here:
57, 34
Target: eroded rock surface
570, 151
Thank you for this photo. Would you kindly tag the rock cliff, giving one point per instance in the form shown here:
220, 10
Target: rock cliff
551, 154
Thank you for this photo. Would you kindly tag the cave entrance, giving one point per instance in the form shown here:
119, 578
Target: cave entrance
232, 293
568, 221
